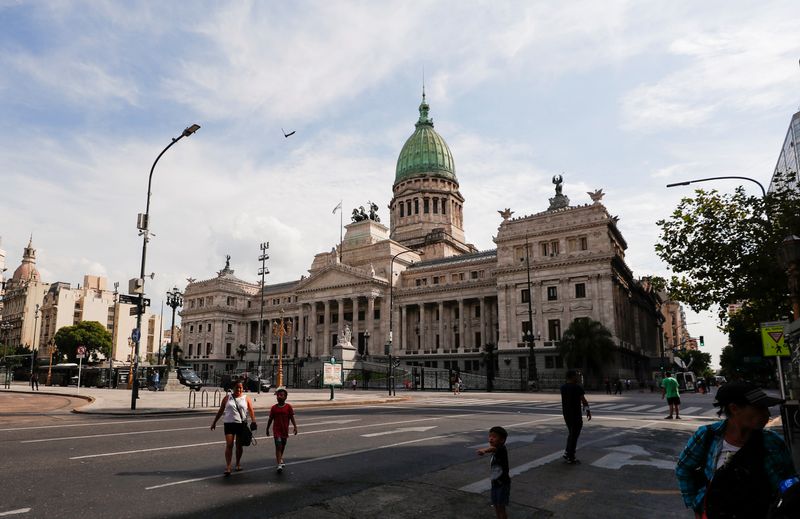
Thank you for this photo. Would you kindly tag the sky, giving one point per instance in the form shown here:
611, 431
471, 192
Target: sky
624, 96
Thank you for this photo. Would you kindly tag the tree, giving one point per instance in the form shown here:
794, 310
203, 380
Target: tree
587, 345
743, 359
700, 361
723, 249
90, 334
241, 351
489, 356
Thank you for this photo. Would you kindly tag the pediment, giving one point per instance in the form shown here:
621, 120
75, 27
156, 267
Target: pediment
336, 276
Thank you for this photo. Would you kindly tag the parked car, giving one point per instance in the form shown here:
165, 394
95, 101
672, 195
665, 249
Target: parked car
189, 378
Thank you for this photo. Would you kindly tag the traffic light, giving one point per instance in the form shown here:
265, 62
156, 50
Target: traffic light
702, 342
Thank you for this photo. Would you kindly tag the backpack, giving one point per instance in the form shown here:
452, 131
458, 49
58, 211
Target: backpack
741, 489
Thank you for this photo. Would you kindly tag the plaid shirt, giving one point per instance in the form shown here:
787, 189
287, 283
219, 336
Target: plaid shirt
703, 451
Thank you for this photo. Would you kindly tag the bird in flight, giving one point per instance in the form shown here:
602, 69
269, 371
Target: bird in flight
287, 135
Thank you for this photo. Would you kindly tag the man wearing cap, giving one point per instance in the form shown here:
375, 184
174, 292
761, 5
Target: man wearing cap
733, 468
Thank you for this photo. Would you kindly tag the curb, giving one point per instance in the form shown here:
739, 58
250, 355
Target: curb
88, 398
208, 410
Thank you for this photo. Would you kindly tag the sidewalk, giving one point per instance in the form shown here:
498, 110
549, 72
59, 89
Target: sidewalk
118, 401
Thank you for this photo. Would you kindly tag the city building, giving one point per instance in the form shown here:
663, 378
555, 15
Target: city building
676, 332
64, 305
34, 311
2, 275
788, 161
443, 300
22, 300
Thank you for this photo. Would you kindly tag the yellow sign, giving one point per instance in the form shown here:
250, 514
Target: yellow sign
772, 340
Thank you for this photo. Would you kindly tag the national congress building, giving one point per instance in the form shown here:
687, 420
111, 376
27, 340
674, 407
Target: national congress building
448, 299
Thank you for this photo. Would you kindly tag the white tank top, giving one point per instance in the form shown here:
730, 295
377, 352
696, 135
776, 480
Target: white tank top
232, 414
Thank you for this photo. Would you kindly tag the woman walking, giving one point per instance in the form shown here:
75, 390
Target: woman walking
235, 408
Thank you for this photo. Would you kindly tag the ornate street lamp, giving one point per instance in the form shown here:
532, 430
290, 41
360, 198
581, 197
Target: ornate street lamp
533, 376
174, 301
143, 224
366, 345
280, 329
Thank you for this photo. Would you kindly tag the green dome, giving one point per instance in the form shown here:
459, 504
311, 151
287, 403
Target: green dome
425, 153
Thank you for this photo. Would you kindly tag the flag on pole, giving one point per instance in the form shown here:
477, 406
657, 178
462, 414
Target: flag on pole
338, 207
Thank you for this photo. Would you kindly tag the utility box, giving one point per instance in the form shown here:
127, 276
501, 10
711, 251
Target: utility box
136, 286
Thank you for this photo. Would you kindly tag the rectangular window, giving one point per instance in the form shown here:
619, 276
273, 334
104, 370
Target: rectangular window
230, 327
435, 280
191, 347
416, 206
554, 329
402, 210
408, 207
552, 293
209, 327
544, 250
477, 338
526, 328
526, 295
554, 248
361, 314
444, 204
377, 314
580, 290
477, 310
584, 243
321, 319
228, 349
426, 205
208, 348
191, 328
473, 274
435, 206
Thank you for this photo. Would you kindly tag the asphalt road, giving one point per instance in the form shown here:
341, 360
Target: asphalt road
414, 459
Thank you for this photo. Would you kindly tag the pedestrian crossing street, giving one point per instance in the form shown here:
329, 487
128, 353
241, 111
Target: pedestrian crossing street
659, 409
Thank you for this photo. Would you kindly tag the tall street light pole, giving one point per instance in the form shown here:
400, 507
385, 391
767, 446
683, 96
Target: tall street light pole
143, 225
694, 181
533, 376
174, 301
390, 374
280, 329
263, 271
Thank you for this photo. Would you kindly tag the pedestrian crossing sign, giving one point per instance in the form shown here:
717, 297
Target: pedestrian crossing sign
772, 339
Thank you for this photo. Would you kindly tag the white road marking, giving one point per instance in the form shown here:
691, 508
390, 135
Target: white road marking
690, 410
204, 444
512, 438
616, 407
311, 460
641, 407
129, 433
92, 424
484, 484
623, 455
400, 430
15, 512
341, 455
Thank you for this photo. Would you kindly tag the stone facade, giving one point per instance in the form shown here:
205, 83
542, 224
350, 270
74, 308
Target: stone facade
419, 289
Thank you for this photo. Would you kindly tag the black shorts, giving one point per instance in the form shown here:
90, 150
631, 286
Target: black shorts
500, 494
234, 428
674, 400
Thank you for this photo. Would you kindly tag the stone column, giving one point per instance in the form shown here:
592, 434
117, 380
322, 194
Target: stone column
424, 344
482, 306
374, 338
355, 321
312, 330
324, 347
441, 325
340, 324
462, 324
401, 329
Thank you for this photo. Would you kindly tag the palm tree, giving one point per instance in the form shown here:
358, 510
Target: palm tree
588, 345
241, 351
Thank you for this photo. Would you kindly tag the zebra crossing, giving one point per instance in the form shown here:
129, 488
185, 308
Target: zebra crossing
658, 409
